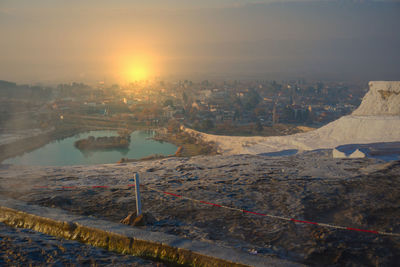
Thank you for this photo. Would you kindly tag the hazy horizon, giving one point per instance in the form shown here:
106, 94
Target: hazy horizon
90, 41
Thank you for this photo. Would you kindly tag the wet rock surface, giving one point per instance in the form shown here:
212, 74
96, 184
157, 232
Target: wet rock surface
359, 193
22, 247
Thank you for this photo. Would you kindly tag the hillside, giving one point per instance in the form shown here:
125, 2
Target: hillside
312, 186
377, 119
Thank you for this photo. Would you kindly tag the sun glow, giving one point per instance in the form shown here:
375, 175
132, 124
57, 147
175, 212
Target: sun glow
135, 68
138, 73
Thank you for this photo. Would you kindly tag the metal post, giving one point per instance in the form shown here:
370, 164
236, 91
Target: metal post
138, 204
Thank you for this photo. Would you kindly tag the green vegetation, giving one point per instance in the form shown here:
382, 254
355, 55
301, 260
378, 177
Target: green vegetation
92, 143
189, 144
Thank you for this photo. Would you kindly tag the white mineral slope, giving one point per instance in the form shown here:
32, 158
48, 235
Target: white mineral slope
383, 98
377, 119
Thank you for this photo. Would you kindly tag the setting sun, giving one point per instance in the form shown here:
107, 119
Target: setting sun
134, 68
138, 73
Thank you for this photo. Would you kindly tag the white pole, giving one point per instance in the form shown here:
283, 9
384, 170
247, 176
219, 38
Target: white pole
138, 204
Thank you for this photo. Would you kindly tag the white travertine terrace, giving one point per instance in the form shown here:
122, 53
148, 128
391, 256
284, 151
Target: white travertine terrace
383, 98
377, 119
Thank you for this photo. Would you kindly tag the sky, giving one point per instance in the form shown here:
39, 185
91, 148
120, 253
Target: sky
54, 41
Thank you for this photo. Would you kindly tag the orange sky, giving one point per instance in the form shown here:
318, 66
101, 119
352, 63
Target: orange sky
119, 41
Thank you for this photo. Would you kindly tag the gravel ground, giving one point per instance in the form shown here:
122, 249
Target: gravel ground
23, 247
359, 193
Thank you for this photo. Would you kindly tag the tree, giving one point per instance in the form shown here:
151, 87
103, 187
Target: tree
237, 103
184, 97
259, 111
173, 126
236, 115
289, 114
252, 100
258, 126
207, 124
168, 102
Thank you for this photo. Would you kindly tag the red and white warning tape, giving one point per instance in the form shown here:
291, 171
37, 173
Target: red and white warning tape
275, 216
225, 207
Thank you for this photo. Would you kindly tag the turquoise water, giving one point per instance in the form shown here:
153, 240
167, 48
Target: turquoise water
63, 152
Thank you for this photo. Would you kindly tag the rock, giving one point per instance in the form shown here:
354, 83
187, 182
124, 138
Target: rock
179, 151
134, 220
122, 160
357, 154
140, 220
336, 154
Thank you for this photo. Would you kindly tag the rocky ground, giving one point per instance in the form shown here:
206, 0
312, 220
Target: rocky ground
359, 193
22, 247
